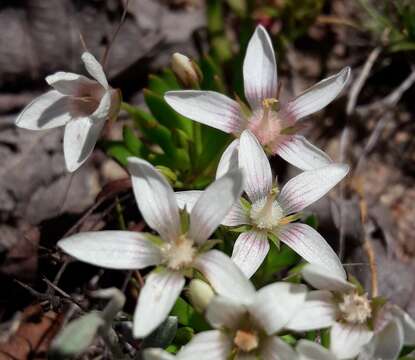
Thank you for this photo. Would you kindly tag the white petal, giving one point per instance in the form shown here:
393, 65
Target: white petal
310, 186
236, 215
112, 249
95, 69
257, 170
207, 107
47, 111
322, 278
387, 344
223, 312
274, 305
72, 84
102, 112
318, 96
157, 354
79, 140
207, 345
318, 312
229, 159
346, 341
214, 204
311, 246
300, 153
155, 199
250, 250
224, 276
274, 348
187, 199
308, 350
408, 325
156, 299
260, 69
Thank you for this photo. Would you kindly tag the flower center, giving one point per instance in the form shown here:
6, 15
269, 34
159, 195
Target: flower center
246, 340
178, 254
355, 308
266, 213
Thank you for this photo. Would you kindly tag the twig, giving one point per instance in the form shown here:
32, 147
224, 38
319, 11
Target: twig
361, 80
117, 30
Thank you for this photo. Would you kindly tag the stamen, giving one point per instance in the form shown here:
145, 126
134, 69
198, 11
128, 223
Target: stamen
178, 254
355, 308
246, 340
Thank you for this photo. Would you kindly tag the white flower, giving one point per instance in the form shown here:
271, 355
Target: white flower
393, 329
176, 251
271, 211
339, 305
80, 104
245, 327
274, 124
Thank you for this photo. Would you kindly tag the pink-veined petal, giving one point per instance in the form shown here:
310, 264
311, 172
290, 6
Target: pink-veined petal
224, 276
229, 159
214, 204
273, 348
207, 345
318, 96
223, 312
72, 84
47, 111
155, 199
102, 112
250, 250
112, 249
322, 278
156, 299
209, 108
299, 152
95, 69
260, 69
311, 246
274, 305
157, 354
347, 340
308, 187
79, 141
309, 350
318, 312
257, 170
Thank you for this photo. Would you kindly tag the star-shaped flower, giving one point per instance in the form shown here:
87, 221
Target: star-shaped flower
179, 250
246, 328
270, 213
275, 124
80, 104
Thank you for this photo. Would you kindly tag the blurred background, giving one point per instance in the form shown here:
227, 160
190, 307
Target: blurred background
371, 125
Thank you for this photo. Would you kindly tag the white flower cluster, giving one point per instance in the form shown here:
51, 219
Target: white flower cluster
246, 322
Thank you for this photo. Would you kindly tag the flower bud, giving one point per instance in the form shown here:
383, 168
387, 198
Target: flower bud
200, 294
186, 70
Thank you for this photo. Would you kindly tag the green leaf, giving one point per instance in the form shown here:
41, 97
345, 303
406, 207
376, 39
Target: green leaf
133, 143
312, 221
157, 85
188, 316
75, 338
170, 79
184, 335
163, 335
118, 151
238, 6
241, 229
165, 114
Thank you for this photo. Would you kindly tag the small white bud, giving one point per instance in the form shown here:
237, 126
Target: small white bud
200, 294
186, 70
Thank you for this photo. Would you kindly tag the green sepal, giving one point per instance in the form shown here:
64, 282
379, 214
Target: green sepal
209, 244
240, 229
359, 287
289, 339
154, 239
325, 338
274, 239
184, 220
245, 204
